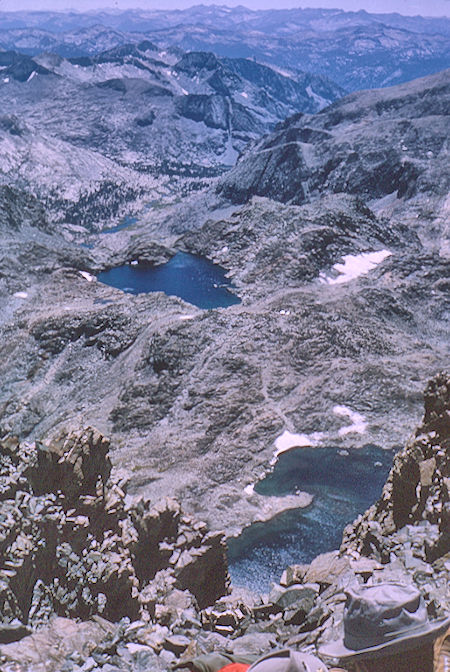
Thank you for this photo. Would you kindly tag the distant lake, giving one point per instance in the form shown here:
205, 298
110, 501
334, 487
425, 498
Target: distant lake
190, 277
343, 487
127, 221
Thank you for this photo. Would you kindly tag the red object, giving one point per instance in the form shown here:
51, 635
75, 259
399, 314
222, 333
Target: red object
235, 667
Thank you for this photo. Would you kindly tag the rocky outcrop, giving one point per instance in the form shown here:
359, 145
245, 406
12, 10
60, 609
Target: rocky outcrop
47, 649
418, 488
161, 573
214, 110
71, 464
345, 148
72, 544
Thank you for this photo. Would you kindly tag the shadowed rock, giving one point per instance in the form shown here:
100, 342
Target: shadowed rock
417, 488
71, 545
72, 464
345, 148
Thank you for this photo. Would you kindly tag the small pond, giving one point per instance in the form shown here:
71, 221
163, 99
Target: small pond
193, 278
127, 221
343, 487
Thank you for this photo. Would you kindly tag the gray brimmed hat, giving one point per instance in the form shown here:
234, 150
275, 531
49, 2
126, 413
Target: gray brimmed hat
286, 660
383, 619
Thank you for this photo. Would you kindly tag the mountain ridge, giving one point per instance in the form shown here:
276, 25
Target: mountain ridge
143, 116
313, 18
355, 49
351, 131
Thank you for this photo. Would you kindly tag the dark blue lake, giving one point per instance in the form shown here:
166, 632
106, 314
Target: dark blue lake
343, 487
193, 278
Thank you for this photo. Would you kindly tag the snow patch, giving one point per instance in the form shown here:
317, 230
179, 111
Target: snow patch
87, 276
394, 75
6, 80
287, 441
187, 317
358, 421
21, 295
355, 265
244, 95
249, 489
33, 74
185, 93
322, 102
134, 262
230, 155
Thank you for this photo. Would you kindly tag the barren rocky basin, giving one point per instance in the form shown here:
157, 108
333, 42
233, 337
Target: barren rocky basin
195, 400
158, 436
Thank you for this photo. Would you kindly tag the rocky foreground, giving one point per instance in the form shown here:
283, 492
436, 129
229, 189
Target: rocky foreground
92, 579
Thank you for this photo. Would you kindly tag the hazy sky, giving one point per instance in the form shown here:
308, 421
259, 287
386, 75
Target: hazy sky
409, 7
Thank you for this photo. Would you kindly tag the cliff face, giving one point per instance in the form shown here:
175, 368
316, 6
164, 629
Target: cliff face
417, 490
370, 144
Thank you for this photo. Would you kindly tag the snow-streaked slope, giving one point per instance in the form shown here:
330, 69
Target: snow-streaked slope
131, 115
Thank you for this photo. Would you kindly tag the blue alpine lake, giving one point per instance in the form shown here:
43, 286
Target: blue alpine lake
343, 485
190, 277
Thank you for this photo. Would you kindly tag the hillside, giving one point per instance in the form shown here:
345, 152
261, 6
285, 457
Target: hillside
146, 124
217, 388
